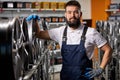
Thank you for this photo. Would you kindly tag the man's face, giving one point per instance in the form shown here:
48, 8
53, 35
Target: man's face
72, 16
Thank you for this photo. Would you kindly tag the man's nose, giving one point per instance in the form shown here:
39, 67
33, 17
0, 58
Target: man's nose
72, 14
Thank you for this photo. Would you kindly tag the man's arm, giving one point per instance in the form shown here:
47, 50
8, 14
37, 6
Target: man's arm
41, 34
106, 58
107, 55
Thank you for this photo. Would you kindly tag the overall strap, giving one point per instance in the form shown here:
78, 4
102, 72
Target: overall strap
64, 38
84, 32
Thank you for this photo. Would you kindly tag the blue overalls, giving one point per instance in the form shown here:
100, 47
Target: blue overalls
74, 59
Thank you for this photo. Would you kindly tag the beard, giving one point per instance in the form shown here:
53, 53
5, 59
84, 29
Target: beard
73, 24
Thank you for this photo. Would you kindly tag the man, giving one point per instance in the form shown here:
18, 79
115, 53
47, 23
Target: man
77, 44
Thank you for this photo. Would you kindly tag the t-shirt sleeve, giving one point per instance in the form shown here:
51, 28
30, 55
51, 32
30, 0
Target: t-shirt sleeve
52, 33
56, 33
99, 39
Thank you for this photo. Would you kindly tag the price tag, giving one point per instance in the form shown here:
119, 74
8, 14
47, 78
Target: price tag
1, 9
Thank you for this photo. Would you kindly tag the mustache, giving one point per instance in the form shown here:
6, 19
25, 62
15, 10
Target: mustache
73, 18
75, 24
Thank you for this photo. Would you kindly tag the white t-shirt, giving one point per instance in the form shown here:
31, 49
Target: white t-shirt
93, 38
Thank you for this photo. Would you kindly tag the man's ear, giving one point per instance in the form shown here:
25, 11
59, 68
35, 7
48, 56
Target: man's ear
81, 20
80, 14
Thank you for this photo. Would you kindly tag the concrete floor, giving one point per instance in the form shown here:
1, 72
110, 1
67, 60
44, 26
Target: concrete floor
55, 76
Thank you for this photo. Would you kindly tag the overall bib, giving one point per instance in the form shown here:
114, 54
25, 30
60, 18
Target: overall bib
75, 60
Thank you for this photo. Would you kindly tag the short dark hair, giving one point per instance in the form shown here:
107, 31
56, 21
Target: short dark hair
73, 3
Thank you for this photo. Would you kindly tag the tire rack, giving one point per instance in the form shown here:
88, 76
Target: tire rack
22, 55
111, 31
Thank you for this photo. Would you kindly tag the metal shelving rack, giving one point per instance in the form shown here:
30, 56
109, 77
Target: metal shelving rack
23, 12
112, 70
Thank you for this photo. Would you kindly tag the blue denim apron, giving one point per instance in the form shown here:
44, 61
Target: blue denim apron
74, 59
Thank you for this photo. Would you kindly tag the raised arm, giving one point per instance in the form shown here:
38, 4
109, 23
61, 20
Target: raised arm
42, 34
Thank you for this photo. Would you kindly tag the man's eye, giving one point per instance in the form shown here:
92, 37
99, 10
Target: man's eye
76, 12
69, 12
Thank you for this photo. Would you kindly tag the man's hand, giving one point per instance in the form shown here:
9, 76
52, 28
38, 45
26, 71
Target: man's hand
33, 16
93, 72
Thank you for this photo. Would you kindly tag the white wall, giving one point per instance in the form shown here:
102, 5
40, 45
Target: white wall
86, 8
115, 1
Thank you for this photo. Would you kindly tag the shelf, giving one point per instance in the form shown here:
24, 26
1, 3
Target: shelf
57, 23
23, 12
112, 10
55, 51
56, 68
29, 9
